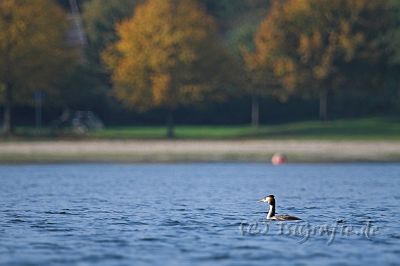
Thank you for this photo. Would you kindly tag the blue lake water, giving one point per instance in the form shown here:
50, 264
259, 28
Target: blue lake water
199, 214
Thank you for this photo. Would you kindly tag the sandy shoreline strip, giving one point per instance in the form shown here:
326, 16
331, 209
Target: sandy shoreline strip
197, 150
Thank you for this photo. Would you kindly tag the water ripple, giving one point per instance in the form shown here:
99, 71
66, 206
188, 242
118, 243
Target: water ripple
193, 214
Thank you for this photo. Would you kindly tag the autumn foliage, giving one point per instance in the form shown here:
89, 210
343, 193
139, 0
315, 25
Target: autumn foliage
309, 44
32, 50
171, 55
168, 55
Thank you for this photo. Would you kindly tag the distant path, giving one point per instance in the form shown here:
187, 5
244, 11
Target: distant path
202, 150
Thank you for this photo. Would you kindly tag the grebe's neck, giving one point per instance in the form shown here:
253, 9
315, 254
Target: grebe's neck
271, 212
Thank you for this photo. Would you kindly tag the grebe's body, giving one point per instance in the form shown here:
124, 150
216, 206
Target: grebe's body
271, 212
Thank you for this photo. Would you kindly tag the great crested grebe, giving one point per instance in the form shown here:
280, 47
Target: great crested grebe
271, 213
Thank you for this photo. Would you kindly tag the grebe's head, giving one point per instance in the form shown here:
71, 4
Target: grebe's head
269, 199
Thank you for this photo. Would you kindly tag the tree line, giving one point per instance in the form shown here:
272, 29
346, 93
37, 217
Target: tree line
168, 54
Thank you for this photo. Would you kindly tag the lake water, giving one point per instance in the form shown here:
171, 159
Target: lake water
199, 214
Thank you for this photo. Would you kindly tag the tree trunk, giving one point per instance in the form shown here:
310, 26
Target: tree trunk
398, 93
255, 112
7, 121
323, 105
170, 124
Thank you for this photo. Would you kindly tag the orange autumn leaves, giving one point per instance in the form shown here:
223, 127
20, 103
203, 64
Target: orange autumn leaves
32, 45
167, 55
306, 44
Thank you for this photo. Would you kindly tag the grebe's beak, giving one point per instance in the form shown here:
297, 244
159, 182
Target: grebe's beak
261, 200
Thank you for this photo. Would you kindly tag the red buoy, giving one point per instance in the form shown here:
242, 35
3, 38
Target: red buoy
278, 159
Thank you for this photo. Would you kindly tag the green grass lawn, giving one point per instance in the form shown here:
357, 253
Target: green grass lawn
378, 128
